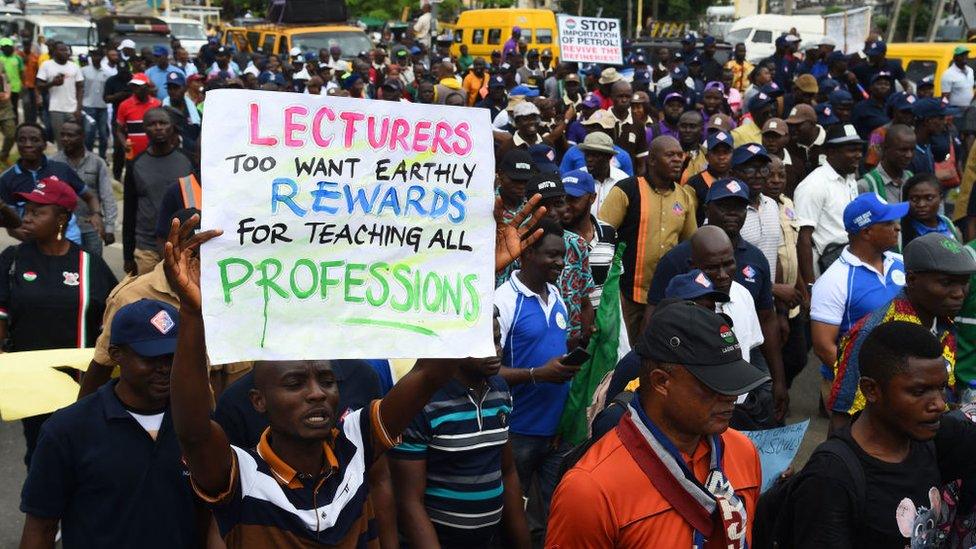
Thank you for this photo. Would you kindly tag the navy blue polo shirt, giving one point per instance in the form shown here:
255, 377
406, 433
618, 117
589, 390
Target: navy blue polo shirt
358, 386
923, 161
108, 481
461, 436
751, 270
16, 179
865, 71
867, 116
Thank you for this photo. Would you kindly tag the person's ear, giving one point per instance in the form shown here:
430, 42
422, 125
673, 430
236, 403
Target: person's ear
116, 353
257, 401
660, 381
871, 389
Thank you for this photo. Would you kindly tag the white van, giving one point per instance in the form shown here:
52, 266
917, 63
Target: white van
74, 30
759, 32
189, 32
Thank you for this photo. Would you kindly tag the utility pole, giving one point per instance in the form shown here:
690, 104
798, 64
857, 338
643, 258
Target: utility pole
934, 24
893, 22
917, 5
788, 7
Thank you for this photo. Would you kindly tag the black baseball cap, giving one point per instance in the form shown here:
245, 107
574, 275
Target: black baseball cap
687, 334
549, 185
517, 165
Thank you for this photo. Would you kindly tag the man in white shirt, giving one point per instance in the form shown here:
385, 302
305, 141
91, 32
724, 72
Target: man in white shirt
65, 86
599, 152
421, 29
957, 80
750, 163
821, 198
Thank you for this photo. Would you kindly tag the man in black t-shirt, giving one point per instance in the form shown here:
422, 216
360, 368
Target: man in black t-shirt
905, 444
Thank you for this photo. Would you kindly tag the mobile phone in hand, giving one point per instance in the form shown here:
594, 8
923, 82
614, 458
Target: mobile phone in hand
577, 357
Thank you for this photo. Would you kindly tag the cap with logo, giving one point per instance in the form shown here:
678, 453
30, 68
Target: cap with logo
688, 39
148, 327
640, 98
718, 138
703, 343
160, 51
591, 101
496, 82
517, 165
772, 89
869, 209
679, 73
802, 113
936, 252
692, 285
295, 52
578, 183
728, 187
901, 101
597, 142
601, 118
51, 190
882, 75
127, 44
776, 126
719, 122
747, 152
760, 101
392, 84
674, 96
877, 47
828, 85
544, 158
547, 184
825, 115
175, 79
842, 134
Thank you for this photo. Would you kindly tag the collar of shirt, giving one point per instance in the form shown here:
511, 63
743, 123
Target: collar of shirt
887, 179
625, 121
524, 290
923, 229
19, 170
283, 472
518, 141
764, 202
830, 174
114, 409
854, 261
821, 137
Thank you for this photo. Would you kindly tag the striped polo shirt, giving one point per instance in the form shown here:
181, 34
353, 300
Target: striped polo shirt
762, 229
461, 435
269, 504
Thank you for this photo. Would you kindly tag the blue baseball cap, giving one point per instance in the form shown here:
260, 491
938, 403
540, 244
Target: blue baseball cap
772, 89
719, 138
579, 183
527, 91
688, 39
642, 76
728, 187
828, 85
674, 95
310, 56
544, 158
868, 209
882, 74
679, 73
825, 114
901, 101
638, 60
591, 101
840, 96
877, 47
415, 50
160, 51
694, 60
692, 285
836, 56
148, 327
708, 40
747, 152
928, 107
175, 79
760, 101
592, 70
496, 82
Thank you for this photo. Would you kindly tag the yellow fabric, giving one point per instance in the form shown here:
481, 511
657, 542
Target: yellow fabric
966, 188
30, 385
633, 385
740, 74
747, 133
400, 366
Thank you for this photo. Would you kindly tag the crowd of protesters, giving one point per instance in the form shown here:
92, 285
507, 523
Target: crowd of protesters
765, 211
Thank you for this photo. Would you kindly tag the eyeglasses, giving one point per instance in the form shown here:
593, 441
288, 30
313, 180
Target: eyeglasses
751, 172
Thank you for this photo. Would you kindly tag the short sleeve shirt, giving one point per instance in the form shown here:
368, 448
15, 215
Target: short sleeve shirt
762, 229
850, 289
820, 201
130, 115
63, 98
958, 83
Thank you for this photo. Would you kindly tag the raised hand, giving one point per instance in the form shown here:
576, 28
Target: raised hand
182, 263
513, 237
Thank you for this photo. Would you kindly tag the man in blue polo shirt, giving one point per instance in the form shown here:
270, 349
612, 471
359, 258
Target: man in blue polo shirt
865, 277
454, 471
725, 207
108, 467
534, 326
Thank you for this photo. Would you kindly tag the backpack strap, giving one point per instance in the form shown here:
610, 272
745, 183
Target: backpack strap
841, 449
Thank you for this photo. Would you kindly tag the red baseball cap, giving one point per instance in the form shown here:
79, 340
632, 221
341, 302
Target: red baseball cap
139, 79
52, 190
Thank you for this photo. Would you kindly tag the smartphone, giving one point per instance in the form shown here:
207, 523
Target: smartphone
577, 357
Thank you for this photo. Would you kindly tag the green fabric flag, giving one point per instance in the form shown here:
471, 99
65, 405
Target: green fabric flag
573, 427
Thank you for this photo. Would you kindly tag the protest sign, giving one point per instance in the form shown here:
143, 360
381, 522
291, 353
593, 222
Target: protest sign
777, 448
590, 40
352, 228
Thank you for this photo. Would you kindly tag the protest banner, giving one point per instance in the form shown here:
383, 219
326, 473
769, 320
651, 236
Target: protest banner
777, 448
590, 40
352, 228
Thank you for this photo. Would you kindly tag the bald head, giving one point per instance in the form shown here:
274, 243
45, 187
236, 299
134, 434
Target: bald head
708, 239
662, 143
896, 132
712, 252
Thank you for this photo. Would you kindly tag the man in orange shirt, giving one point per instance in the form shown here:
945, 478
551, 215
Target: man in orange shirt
475, 81
671, 474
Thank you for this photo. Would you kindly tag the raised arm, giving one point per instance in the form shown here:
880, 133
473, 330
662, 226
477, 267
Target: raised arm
204, 444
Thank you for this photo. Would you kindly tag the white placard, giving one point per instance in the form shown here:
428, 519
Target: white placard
590, 40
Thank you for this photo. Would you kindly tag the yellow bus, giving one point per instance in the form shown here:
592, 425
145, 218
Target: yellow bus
486, 30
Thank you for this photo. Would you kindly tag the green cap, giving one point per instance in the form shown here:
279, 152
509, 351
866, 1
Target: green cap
6, 42
960, 50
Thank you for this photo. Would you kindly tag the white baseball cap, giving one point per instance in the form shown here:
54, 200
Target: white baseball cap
525, 108
295, 52
127, 44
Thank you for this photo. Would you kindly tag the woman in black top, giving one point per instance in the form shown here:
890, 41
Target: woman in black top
923, 192
52, 294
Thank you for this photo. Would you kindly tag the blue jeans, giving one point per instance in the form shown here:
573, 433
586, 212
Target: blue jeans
100, 128
91, 242
536, 458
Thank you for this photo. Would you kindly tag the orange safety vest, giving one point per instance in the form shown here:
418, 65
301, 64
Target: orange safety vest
191, 191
